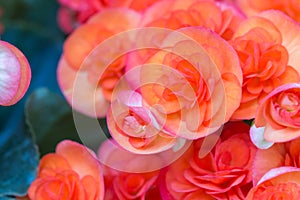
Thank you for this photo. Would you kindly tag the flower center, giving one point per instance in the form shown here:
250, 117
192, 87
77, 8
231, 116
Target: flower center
131, 123
134, 124
289, 102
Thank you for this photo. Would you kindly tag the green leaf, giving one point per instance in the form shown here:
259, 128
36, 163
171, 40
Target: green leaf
50, 119
19, 160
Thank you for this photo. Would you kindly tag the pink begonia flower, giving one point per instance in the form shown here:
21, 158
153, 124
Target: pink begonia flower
81, 4
15, 74
267, 46
135, 127
133, 4
72, 172
189, 83
219, 17
73, 13
224, 173
66, 20
279, 114
87, 82
278, 183
279, 155
174, 14
127, 175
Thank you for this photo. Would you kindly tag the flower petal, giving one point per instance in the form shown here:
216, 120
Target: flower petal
257, 137
80, 158
280, 135
267, 159
84, 96
273, 173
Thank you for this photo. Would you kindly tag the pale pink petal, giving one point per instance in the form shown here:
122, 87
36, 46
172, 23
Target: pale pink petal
130, 98
257, 137
273, 173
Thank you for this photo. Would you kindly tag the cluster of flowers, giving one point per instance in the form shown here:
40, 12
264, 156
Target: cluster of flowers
175, 80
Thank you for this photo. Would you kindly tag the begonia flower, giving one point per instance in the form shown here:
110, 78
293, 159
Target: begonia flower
219, 17
267, 48
278, 113
196, 90
135, 127
278, 183
15, 74
224, 173
128, 175
133, 4
72, 172
279, 155
74, 13
86, 81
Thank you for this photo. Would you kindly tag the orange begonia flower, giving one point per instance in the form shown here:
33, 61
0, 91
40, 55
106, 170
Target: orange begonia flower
94, 74
279, 114
267, 48
278, 183
219, 17
224, 173
72, 172
195, 94
134, 126
279, 155
129, 176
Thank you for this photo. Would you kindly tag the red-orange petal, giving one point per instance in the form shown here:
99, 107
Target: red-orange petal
80, 158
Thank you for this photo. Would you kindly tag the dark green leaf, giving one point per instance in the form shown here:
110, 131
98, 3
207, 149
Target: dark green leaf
19, 159
50, 119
